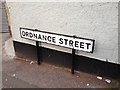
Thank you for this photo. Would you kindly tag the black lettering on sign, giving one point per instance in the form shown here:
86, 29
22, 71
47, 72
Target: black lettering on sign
26, 34
76, 44
23, 33
35, 35
31, 35
53, 39
49, 38
70, 43
44, 37
82, 45
60, 41
66, 41
39, 36
88, 44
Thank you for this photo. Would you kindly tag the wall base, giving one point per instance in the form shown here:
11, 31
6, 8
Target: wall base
62, 59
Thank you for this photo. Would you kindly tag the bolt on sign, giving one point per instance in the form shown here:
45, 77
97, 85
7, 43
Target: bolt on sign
72, 42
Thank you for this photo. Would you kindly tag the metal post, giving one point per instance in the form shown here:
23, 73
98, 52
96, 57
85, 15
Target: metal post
73, 58
73, 61
38, 53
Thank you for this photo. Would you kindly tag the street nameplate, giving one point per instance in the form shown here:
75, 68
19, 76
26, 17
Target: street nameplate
77, 43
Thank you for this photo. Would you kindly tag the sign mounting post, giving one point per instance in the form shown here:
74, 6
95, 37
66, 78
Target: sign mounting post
38, 53
72, 42
73, 61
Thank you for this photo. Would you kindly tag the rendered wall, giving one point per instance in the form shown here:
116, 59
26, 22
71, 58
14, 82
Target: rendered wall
98, 21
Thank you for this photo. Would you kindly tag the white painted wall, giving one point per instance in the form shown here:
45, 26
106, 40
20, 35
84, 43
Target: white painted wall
94, 20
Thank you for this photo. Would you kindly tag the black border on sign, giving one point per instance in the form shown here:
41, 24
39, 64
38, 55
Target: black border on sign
60, 35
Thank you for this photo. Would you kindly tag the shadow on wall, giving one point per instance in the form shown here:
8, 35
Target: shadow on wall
61, 59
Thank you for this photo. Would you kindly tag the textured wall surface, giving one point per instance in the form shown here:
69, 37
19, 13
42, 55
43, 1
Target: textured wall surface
92, 20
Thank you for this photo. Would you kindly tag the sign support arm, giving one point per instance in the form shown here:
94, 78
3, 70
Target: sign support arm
38, 53
73, 61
